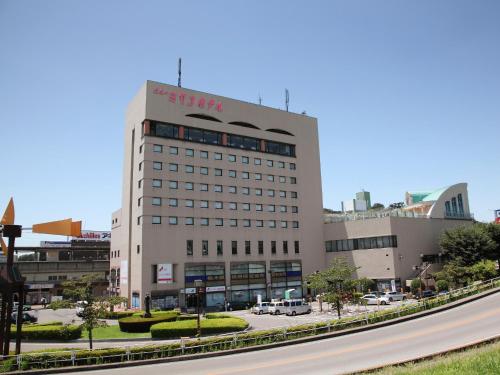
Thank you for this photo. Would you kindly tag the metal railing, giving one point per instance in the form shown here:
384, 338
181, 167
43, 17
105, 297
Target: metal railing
185, 347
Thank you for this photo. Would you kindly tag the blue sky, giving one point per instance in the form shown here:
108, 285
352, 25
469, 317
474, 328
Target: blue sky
407, 93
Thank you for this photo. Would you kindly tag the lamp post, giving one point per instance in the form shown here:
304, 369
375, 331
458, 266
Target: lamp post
198, 285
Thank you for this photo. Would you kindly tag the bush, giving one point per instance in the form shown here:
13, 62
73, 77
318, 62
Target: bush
416, 284
49, 332
63, 304
115, 314
442, 285
217, 316
189, 328
139, 324
187, 317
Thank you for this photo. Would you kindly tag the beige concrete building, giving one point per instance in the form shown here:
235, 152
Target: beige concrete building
218, 190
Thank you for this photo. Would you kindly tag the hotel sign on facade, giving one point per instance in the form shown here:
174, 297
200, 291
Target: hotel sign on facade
181, 98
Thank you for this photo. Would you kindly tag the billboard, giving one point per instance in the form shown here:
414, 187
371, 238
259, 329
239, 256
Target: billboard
164, 273
96, 235
497, 216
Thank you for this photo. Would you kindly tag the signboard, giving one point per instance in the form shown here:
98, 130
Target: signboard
55, 244
215, 288
190, 290
393, 285
164, 273
124, 272
497, 216
181, 98
97, 235
40, 286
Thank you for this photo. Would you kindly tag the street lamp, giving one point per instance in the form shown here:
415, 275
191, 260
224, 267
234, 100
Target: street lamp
198, 285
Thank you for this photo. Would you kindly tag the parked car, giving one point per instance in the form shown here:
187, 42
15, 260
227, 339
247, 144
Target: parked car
394, 296
372, 299
276, 308
26, 307
27, 317
296, 306
260, 308
426, 294
80, 307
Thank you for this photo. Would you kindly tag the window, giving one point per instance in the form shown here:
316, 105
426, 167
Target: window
283, 209
172, 220
139, 202
295, 209
157, 165
234, 247
258, 192
158, 148
203, 187
245, 175
189, 247
246, 206
261, 247
258, 207
271, 208
138, 220
282, 194
189, 221
218, 188
218, 172
258, 176
204, 247
204, 170
247, 248
285, 247
282, 179
140, 166
204, 154
140, 149
292, 166
233, 205
231, 173
281, 164
218, 205
296, 247
231, 158
173, 150
233, 222
270, 163
247, 223
259, 223
189, 169
189, 203
217, 156
204, 221
172, 202
173, 167
219, 222
293, 194
172, 185
220, 247
284, 224
244, 159
203, 204
270, 193
295, 224
270, 178
160, 129
271, 223
245, 190
139, 183
232, 189
189, 152
156, 220
257, 161
188, 186
273, 247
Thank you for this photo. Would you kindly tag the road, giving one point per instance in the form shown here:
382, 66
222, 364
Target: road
405, 341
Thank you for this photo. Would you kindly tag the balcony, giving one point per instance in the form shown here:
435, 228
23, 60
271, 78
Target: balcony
30, 267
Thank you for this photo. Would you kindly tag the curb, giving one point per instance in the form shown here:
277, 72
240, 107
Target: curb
265, 346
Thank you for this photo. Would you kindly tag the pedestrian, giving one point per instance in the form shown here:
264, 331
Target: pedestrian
43, 301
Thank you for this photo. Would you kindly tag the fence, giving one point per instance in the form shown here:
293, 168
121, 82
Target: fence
65, 358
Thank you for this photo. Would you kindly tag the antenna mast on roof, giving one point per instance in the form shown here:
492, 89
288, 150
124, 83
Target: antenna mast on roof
287, 99
260, 99
180, 72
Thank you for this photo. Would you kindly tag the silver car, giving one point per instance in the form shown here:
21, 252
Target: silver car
394, 296
261, 308
372, 299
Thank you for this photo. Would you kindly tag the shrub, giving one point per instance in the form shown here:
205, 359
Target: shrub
63, 304
217, 316
115, 314
416, 284
140, 324
442, 285
49, 332
189, 327
187, 317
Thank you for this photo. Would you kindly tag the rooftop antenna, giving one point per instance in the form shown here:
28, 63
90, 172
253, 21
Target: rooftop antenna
260, 99
180, 72
287, 99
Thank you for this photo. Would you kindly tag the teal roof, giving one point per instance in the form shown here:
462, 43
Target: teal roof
418, 196
434, 196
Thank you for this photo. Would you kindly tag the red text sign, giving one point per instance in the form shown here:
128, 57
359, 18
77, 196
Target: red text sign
179, 97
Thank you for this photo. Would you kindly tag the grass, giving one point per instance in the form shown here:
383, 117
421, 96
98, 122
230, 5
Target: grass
113, 332
481, 361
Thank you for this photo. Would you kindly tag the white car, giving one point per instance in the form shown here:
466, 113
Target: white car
372, 299
276, 308
296, 306
80, 306
394, 296
260, 308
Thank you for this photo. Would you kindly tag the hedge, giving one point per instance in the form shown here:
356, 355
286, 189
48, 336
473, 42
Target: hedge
52, 332
139, 324
189, 327
63, 304
217, 316
115, 314
187, 317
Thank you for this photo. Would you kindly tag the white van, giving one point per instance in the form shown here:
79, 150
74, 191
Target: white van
260, 308
276, 308
296, 306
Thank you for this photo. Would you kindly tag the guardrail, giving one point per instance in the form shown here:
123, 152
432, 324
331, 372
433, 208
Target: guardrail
66, 358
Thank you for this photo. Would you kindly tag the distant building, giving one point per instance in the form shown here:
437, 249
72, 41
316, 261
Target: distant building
364, 196
361, 203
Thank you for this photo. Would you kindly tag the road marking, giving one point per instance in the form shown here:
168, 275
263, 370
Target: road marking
358, 347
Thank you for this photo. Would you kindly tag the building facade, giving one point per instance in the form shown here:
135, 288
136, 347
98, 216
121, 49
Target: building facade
217, 190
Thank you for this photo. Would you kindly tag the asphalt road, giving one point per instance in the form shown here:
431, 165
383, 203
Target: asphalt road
405, 341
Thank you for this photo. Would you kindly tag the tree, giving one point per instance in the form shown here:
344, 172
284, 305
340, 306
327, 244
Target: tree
442, 285
493, 231
453, 273
335, 283
365, 284
467, 245
112, 301
416, 285
378, 206
82, 290
483, 270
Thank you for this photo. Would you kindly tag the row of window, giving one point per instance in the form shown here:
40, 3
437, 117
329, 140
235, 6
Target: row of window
219, 205
361, 243
219, 222
189, 152
247, 247
166, 130
188, 185
173, 167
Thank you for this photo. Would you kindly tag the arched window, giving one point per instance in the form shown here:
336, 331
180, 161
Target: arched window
279, 131
244, 124
203, 117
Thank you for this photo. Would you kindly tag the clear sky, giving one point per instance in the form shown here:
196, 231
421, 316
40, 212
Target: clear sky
407, 93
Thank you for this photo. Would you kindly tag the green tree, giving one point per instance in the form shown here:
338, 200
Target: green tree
442, 285
365, 284
377, 206
483, 270
82, 289
467, 245
493, 231
335, 283
416, 285
455, 274
112, 301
